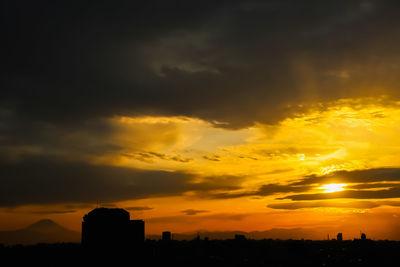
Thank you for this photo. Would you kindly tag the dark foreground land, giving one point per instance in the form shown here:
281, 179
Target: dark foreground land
212, 253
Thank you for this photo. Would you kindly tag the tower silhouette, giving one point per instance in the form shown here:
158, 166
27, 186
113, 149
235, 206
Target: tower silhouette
339, 237
363, 236
166, 236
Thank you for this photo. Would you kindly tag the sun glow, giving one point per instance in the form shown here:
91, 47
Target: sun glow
330, 188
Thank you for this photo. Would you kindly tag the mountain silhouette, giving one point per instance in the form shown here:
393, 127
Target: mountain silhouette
43, 231
45, 225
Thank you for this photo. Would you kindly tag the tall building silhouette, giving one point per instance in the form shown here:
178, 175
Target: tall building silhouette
363, 236
166, 236
111, 228
339, 237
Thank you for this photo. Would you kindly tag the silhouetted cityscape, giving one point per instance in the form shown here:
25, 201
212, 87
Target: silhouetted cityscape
110, 237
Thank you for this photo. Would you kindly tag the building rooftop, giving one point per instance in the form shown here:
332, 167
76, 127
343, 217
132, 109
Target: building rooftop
105, 214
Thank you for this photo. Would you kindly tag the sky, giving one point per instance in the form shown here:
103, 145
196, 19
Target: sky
203, 115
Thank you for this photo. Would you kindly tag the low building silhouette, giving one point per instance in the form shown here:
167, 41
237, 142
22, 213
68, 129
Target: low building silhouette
240, 237
111, 228
166, 236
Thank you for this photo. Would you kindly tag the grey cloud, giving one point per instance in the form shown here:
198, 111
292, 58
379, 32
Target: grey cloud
269, 189
150, 156
86, 140
53, 212
372, 186
80, 139
355, 176
264, 190
212, 158
319, 204
41, 180
193, 211
369, 184
333, 204
379, 194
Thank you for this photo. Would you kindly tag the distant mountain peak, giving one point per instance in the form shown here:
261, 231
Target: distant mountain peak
45, 221
43, 231
44, 225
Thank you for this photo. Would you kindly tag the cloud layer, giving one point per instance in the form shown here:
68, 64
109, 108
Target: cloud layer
50, 181
232, 61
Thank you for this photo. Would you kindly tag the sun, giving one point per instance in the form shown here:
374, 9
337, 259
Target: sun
330, 188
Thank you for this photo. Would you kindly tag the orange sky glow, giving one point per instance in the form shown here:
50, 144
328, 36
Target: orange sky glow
282, 175
201, 116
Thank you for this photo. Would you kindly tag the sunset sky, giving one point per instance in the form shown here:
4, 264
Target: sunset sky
203, 115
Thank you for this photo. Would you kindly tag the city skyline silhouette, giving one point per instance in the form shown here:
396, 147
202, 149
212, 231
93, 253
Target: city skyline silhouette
110, 232
102, 227
103, 218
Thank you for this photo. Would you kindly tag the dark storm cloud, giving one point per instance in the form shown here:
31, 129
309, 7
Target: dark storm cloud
233, 61
81, 137
49, 181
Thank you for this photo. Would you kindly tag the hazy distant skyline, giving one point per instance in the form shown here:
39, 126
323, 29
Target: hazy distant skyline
214, 115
